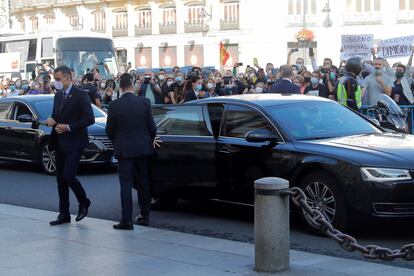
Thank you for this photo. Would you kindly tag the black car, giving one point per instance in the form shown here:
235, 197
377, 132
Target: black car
216, 148
25, 137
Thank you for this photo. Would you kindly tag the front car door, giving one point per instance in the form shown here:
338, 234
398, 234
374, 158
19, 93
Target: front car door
185, 161
240, 163
6, 124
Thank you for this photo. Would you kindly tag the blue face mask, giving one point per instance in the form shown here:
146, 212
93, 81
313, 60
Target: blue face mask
314, 80
25, 87
332, 75
12, 87
199, 87
178, 79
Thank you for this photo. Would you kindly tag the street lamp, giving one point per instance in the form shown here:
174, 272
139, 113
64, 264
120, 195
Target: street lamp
327, 22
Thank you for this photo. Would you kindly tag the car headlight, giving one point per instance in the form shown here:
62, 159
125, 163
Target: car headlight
385, 174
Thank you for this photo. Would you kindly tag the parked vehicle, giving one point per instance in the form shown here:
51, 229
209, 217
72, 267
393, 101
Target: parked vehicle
216, 148
23, 136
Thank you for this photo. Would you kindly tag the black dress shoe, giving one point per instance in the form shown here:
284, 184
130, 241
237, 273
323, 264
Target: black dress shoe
61, 219
83, 211
142, 220
123, 226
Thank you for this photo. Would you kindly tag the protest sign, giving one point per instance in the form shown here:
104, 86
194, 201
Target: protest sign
357, 45
395, 47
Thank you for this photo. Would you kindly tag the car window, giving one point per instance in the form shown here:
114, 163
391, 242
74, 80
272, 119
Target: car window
5, 108
238, 121
180, 120
21, 109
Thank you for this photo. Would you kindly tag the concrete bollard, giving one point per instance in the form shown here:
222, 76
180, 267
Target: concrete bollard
271, 225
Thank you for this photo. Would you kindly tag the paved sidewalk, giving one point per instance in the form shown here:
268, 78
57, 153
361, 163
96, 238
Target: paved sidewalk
29, 246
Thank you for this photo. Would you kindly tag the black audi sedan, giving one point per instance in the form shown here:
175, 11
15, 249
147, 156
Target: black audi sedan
216, 148
25, 137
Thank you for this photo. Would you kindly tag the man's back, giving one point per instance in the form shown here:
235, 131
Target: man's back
284, 86
131, 126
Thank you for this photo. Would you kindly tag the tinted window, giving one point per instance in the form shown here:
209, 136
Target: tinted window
240, 120
21, 109
44, 110
316, 120
181, 120
5, 110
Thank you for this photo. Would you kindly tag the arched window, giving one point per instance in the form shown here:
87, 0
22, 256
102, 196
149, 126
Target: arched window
99, 21
144, 18
121, 20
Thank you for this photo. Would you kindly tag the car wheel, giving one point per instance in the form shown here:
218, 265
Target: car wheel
163, 202
48, 159
323, 194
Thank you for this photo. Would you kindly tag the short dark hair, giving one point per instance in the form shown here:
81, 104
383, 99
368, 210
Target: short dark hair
401, 66
89, 76
125, 81
111, 83
64, 70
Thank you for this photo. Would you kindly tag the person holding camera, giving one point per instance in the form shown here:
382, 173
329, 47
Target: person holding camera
150, 89
300, 62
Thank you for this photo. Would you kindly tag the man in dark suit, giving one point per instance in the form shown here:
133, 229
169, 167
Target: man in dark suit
132, 129
284, 85
72, 114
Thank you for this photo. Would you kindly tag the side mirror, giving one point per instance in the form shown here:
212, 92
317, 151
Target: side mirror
261, 136
25, 118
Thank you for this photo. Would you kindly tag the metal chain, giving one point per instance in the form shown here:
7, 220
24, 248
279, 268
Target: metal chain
318, 221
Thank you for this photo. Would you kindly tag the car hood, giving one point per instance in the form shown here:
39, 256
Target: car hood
390, 150
98, 128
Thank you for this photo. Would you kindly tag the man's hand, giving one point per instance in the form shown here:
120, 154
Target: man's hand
157, 142
62, 128
373, 52
51, 122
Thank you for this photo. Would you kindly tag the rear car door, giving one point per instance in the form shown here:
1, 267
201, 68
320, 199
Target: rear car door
240, 163
23, 137
185, 162
6, 124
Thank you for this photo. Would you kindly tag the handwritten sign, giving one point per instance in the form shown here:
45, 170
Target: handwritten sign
395, 47
357, 45
10, 62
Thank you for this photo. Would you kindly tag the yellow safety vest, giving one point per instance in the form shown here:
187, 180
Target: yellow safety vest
342, 95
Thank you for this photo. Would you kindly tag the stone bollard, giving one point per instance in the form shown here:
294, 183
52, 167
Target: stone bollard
271, 225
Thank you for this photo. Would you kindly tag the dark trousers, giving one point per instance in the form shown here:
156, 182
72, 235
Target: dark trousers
130, 170
67, 164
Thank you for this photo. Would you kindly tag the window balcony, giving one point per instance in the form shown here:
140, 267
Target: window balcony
362, 18
168, 29
227, 25
195, 27
297, 20
405, 17
143, 30
119, 31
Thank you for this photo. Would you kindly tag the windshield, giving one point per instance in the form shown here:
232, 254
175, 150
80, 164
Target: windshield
44, 110
318, 120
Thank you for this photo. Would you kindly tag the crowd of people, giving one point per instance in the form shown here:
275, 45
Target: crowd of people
376, 77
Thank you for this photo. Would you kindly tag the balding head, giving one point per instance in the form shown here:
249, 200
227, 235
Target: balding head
286, 71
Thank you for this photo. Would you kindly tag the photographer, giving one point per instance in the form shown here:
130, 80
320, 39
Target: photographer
329, 79
150, 89
47, 88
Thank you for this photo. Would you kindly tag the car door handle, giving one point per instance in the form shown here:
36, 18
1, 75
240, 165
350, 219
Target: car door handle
225, 152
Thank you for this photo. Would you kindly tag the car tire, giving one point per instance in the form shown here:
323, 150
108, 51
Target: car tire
164, 202
323, 194
47, 159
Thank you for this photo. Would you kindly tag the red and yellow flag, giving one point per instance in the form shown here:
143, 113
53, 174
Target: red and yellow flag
224, 54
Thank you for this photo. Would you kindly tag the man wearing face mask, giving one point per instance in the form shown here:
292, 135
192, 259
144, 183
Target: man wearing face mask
12, 90
300, 63
177, 89
316, 88
378, 82
72, 114
151, 90
401, 92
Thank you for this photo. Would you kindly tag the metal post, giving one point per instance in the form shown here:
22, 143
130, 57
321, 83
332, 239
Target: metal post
271, 225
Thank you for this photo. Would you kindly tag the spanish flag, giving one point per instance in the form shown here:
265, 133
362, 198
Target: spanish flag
224, 54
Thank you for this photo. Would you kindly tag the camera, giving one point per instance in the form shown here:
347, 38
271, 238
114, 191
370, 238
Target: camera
227, 80
238, 64
46, 79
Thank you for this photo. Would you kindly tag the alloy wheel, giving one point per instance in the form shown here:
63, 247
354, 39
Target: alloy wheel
49, 159
320, 197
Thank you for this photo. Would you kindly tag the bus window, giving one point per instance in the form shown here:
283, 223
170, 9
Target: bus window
47, 47
26, 48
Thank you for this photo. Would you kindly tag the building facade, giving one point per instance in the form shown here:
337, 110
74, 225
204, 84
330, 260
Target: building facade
164, 33
4, 15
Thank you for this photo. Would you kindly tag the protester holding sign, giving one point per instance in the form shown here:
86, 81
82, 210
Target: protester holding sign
357, 45
395, 47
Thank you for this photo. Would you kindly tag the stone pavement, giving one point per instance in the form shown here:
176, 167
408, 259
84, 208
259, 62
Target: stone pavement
29, 246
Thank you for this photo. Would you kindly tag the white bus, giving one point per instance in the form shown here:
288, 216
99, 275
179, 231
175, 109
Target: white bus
79, 51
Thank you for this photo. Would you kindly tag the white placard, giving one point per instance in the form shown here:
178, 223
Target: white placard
357, 45
395, 47
10, 62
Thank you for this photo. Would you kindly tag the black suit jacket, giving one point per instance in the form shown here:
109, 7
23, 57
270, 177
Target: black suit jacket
284, 86
76, 111
131, 127
190, 95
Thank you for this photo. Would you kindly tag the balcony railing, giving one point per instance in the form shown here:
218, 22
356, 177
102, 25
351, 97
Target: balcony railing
297, 20
98, 30
145, 30
168, 29
195, 27
116, 32
226, 25
404, 17
362, 18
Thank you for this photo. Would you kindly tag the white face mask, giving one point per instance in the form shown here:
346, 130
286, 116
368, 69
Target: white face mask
161, 77
210, 85
169, 83
58, 85
103, 85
